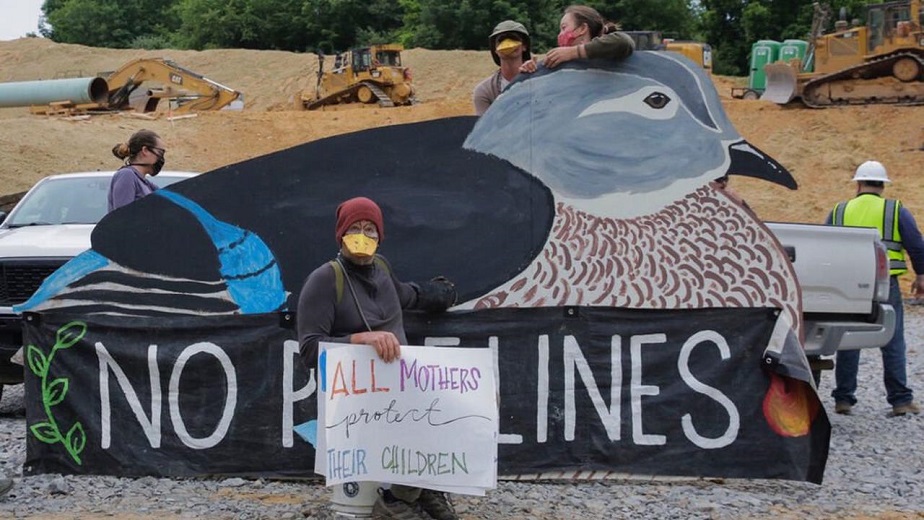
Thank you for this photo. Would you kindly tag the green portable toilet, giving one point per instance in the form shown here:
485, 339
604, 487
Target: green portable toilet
791, 49
762, 53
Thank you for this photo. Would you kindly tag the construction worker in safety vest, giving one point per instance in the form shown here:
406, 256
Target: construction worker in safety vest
899, 233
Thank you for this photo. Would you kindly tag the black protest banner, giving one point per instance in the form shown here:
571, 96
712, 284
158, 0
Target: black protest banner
166, 396
583, 392
590, 391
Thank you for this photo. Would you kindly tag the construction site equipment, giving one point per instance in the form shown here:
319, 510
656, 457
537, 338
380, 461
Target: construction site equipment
699, 52
371, 74
881, 62
763, 53
75, 90
647, 40
164, 79
795, 50
121, 89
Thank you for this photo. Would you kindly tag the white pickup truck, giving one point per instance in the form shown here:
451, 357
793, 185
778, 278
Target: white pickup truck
844, 276
49, 226
842, 271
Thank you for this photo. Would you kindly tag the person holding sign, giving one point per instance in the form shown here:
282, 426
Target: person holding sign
356, 298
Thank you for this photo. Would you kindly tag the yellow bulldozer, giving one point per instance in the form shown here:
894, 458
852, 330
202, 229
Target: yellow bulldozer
371, 74
878, 62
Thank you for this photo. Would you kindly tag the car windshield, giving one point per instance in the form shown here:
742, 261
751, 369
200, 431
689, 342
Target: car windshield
69, 200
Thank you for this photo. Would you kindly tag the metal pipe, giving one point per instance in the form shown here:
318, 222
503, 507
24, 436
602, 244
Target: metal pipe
76, 90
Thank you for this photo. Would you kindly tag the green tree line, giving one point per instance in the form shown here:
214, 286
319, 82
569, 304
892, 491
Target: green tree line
729, 26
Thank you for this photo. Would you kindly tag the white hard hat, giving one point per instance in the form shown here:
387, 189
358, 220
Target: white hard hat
871, 171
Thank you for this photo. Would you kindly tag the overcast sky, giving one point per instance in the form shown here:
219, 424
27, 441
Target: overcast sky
18, 17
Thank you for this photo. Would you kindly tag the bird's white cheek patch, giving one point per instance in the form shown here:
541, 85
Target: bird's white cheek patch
635, 104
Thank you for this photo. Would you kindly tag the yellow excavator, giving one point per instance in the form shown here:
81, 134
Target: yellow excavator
371, 74
880, 62
187, 90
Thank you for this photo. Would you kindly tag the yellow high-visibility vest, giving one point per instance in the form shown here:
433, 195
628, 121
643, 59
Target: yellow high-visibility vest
872, 211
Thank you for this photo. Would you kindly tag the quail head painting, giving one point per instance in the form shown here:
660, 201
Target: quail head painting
591, 185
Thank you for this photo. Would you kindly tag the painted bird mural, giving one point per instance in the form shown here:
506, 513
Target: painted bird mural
589, 185
638, 222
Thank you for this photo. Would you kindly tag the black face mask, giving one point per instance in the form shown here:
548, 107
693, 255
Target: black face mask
157, 166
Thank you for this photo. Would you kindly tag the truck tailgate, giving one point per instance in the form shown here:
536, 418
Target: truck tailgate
836, 266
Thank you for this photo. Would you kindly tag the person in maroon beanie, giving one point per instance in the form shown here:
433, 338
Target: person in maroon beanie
356, 298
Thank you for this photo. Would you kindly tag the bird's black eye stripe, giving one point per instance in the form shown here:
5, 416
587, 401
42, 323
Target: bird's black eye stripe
657, 100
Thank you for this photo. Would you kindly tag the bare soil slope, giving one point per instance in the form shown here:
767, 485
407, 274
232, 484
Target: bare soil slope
820, 147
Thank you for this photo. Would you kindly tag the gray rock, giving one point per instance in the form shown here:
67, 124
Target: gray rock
58, 486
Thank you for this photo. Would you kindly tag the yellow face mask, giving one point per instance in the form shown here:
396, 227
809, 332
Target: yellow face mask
508, 47
360, 245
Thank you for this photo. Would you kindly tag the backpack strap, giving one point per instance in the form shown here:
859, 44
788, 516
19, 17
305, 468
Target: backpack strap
338, 278
379, 261
339, 275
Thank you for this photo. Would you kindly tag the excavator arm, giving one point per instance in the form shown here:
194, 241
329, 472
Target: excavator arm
191, 91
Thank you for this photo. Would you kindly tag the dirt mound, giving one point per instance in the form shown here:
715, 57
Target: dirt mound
820, 147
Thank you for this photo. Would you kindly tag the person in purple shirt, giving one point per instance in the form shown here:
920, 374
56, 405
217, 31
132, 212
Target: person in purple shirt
143, 155
901, 235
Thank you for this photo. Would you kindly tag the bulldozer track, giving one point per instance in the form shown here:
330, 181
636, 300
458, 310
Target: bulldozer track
835, 89
351, 93
384, 100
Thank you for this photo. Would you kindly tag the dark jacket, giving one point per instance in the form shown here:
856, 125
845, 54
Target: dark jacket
327, 310
614, 46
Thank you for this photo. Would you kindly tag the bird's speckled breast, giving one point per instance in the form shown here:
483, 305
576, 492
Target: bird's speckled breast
704, 251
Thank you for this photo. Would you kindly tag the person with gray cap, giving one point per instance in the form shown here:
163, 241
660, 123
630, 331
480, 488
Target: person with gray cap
899, 233
509, 45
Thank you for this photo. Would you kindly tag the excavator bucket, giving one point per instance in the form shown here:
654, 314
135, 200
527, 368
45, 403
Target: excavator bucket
782, 83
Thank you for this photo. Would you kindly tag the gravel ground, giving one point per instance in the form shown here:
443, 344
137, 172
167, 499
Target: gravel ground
875, 470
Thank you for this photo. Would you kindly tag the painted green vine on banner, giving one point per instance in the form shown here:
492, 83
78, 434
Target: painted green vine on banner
53, 393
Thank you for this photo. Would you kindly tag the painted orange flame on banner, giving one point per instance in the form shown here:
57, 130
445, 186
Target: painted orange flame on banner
790, 406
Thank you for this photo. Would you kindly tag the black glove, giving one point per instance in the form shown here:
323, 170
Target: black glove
437, 295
